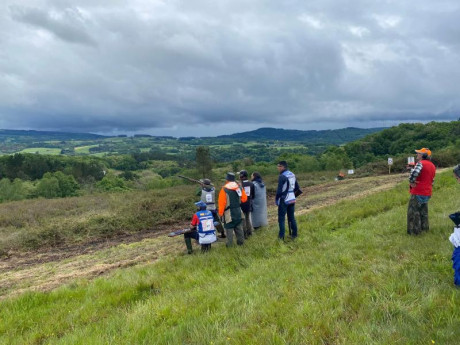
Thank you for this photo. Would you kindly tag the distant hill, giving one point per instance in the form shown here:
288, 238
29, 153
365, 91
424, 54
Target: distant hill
48, 135
330, 136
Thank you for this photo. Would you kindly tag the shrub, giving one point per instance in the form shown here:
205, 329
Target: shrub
112, 183
10, 191
57, 184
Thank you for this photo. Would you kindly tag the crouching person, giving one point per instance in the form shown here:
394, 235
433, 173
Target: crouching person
202, 227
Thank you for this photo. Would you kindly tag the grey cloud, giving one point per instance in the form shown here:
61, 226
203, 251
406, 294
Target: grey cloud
68, 25
143, 65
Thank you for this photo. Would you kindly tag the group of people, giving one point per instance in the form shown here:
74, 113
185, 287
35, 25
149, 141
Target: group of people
421, 181
241, 207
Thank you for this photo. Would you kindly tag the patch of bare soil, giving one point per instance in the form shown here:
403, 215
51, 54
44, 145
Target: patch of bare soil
49, 268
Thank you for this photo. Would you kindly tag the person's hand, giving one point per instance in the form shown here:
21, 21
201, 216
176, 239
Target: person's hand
413, 184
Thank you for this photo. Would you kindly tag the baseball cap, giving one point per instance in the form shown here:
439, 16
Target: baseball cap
424, 150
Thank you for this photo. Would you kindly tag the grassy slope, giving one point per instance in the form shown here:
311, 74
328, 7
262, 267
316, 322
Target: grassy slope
37, 223
353, 277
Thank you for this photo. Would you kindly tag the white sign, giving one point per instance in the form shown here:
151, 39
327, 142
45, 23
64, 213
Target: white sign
351, 172
390, 161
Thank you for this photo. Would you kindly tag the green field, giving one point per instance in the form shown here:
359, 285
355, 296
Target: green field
42, 150
84, 149
353, 277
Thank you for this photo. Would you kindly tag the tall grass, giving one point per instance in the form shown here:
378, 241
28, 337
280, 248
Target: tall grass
353, 277
31, 224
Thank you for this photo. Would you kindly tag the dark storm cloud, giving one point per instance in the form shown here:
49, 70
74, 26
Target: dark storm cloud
179, 65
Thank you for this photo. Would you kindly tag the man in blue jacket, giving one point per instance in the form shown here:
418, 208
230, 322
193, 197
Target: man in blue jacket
288, 189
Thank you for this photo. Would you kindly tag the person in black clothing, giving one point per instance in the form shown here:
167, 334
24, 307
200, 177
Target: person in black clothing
246, 207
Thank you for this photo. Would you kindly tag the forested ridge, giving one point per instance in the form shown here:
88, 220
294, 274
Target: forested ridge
440, 137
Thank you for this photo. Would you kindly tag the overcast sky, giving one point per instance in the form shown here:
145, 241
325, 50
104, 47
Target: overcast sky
204, 68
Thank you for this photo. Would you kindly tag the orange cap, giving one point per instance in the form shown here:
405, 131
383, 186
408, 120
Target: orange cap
424, 150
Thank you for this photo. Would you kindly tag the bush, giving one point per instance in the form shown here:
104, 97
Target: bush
112, 183
10, 191
57, 185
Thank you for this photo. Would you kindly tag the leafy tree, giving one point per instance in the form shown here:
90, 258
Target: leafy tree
335, 158
10, 191
48, 187
54, 185
203, 161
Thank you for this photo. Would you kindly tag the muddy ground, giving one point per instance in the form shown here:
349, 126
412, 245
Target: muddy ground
49, 268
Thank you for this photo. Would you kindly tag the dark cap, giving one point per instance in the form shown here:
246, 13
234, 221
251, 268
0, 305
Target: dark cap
230, 176
283, 163
200, 204
243, 173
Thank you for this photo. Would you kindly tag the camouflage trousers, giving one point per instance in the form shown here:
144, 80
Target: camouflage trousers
247, 225
417, 216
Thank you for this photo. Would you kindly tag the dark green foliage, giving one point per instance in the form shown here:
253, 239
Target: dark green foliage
84, 168
28, 166
404, 139
129, 175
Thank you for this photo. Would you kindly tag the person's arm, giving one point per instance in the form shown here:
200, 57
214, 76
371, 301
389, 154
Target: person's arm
222, 202
413, 176
279, 191
253, 191
195, 222
297, 190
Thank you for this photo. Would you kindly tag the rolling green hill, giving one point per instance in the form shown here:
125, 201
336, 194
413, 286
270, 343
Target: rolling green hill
331, 136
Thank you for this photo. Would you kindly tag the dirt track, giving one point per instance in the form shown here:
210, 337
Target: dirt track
49, 268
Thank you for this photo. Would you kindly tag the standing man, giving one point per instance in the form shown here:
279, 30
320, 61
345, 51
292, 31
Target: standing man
230, 198
288, 189
421, 186
208, 196
246, 207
